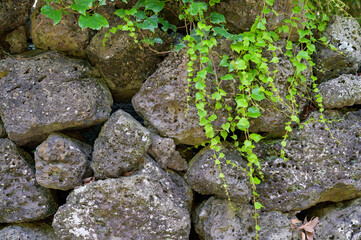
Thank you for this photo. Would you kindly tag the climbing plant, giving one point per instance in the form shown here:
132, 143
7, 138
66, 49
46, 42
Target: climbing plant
248, 65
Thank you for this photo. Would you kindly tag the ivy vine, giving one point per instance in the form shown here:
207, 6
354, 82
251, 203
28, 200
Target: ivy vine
250, 69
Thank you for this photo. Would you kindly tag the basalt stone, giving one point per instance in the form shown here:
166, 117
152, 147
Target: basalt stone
18, 39
203, 174
66, 37
122, 63
144, 205
120, 146
163, 151
47, 93
13, 14
215, 219
345, 34
341, 221
2, 130
22, 198
341, 92
62, 162
162, 100
322, 165
185, 191
28, 231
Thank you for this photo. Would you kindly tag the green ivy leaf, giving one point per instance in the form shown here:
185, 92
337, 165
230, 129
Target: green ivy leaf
257, 94
82, 6
253, 112
217, 18
243, 124
49, 12
95, 21
151, 23
257, 206
155, 5
256, 137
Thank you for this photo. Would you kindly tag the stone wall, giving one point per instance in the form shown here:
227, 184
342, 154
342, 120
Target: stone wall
95, 142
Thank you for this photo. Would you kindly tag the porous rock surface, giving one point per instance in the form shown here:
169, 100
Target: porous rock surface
203, 174
341, 221
122, 63
62, 162
345, 34
145, 205
22, 198
215, 219
13, 14
120, 146
66, 37
320, 167
185, 191
341, 92
2, 130
162, 100
163, 151
47, 93
28, 231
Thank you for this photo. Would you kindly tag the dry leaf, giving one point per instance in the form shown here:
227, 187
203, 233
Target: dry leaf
307, 228
88, 180
128, 173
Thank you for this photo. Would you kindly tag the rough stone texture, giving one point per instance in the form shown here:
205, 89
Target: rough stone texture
203, 174
18, 39
28, 231
62, 162
66, 37
345, 34
275, 115
341, 92
2, 130
13, 14
241, 14
120, 145
145, 205
318, 170
122, 63
341, 221
184, 189
215, 219
163, 151
47, 93
21, 198
162, 100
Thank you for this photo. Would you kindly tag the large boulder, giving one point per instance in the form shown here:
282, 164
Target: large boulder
13, 14
145, 205
18, 39
203, 174
2, 130
185, 191
341, 92
28, 231
341, 221
66, 37
122, 62
120, 146
47, 93
215, 219
322, 165
62, 162
22, 198
163, 151
345, 34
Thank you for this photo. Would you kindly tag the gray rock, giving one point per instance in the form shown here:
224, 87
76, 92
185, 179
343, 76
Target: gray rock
321, 167
18, 39
345, 34
13, 14
203, 174
120, 146
21, 197
28, 231
186, 192
47, 93
215, 219
62, 162
145, 205
162, 100
163, 151
66, 37
340, 221
341, 92
122, 63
